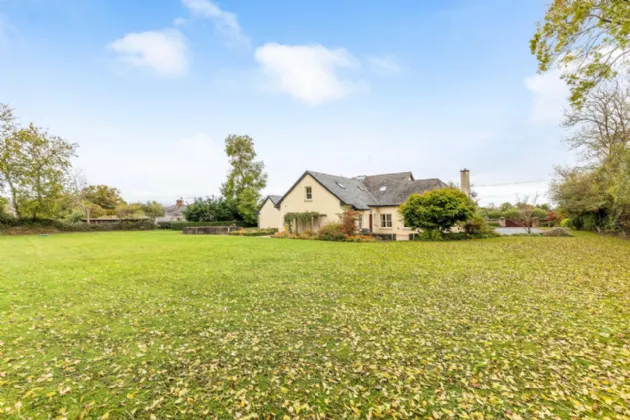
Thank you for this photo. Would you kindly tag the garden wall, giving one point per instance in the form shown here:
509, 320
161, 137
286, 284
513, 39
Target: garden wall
210, 230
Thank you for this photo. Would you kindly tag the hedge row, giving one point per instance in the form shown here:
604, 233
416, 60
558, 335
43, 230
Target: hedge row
182, 225
16, 226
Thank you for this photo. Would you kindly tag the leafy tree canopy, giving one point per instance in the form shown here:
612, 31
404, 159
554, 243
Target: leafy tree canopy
34, 166
211, 209
152, 209
128, 211
246, 177
596, 195
107, 198
588, 39
506, 206
437, 210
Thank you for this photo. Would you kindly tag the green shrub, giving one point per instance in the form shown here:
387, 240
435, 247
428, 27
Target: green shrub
437, 210
511, 214
7, 220
566, 223
330, 229
493, 214
332, 232
211, 209
590, 222
430, 235
476, 225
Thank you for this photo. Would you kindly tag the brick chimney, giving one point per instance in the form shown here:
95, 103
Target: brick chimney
465, 181
179, 203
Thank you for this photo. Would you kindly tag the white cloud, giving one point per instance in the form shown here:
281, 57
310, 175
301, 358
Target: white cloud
386, 64
550, 96
165, 52
179, 21
306, 72
225, 22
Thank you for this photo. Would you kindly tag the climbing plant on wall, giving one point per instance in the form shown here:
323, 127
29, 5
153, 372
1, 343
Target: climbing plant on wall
304, 217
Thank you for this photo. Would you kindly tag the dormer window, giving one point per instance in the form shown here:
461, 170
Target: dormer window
309, 193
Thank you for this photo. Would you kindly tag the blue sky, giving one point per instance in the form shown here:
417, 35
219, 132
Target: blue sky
150, 89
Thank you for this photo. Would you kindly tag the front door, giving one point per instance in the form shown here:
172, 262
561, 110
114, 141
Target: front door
370, 222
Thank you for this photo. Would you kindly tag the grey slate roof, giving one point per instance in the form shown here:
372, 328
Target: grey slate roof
397, 192
174, 211
275, 198
349, 190
371, 181
367, 191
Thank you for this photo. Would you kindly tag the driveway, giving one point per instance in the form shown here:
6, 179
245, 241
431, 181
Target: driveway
514, 230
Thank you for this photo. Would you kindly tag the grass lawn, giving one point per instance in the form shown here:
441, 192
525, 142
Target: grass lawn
158, 324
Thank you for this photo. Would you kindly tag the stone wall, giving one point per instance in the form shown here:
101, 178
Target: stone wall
209, 230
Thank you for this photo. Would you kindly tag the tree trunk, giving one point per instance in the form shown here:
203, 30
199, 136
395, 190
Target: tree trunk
16, 207
39, 197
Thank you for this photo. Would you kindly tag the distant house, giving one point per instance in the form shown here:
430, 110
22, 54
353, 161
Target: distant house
173, 213
375, 197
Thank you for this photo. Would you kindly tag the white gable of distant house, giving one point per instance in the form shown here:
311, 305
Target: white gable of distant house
173, 213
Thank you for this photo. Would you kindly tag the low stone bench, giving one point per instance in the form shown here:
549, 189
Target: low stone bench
209, 230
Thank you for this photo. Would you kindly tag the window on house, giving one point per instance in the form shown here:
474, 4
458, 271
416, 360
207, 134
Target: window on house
360, 222
386, 220
309, 193
383, 188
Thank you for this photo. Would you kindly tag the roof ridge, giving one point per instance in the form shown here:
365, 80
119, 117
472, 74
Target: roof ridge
368, 191
324, 173
391, 173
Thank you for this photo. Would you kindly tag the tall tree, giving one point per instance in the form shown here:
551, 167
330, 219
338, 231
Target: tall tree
581, 192
246, 177
12, 161
596, 196
49, 161
601, 127
588, 39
